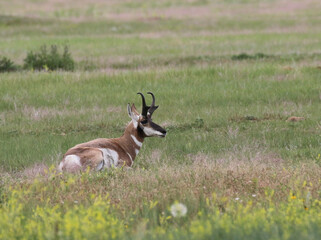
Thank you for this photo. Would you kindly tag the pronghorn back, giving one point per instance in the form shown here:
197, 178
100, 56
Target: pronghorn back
115, 152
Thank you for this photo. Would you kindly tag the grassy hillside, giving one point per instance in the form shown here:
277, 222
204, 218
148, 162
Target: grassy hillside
218, 111
227, 76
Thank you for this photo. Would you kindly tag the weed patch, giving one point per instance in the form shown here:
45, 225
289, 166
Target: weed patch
6, 65
245, 56
265, 117
52, 60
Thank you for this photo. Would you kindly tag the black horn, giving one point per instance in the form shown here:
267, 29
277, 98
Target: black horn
144, 107
153, 103
152, 108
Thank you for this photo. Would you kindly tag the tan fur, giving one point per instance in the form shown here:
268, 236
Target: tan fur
91, 156
118, 152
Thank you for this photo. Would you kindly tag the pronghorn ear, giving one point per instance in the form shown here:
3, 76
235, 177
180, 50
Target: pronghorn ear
132, 112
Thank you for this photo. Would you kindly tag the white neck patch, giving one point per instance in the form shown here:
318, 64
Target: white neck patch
138, 143
135, 123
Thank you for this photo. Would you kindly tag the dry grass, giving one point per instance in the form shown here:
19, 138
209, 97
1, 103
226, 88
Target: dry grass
201, 179
40, 113
118, 10
28, 174
286, 6
199, 158
37, 170
228, 178
155, 157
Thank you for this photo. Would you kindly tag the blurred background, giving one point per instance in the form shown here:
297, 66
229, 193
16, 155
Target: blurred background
110, 35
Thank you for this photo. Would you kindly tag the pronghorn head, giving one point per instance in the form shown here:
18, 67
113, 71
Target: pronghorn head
144, 121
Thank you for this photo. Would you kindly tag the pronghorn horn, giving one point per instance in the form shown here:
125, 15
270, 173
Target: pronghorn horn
144, 107
152, 108
153, 103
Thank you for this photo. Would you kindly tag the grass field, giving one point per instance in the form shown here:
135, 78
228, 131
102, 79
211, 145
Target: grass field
227, 76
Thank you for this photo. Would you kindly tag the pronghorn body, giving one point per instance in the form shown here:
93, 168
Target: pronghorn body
107, 152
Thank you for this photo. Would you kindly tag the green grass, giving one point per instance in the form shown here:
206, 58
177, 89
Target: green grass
42, 106
226, 80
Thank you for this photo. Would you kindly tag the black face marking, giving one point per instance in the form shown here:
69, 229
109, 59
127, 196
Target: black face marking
143, 121
148, 123
157, 128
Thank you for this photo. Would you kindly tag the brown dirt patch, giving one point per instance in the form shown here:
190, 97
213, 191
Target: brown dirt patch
295, 119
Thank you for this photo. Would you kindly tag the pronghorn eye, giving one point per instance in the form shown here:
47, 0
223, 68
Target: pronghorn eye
143, 121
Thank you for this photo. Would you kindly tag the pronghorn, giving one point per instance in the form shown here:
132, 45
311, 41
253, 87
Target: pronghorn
107, 152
